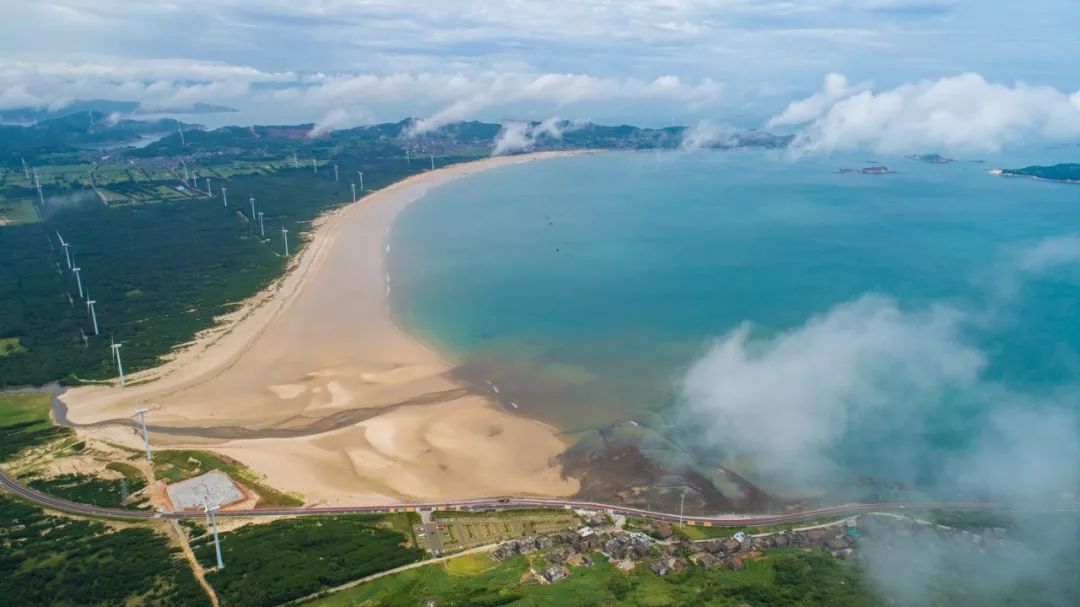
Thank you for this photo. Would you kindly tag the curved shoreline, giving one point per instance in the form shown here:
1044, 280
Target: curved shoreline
314, 384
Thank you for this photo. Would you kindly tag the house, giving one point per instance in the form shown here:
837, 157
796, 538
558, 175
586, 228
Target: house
677, 564
579, 560
659, 567
625, 565
560, 556
527, 544
544, 542
704, 560
555, 573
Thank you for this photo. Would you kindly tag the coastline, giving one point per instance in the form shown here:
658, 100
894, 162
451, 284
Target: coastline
320, 348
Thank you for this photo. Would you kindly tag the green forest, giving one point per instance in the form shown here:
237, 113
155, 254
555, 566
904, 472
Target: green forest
287, 559
1057, 172
53, 560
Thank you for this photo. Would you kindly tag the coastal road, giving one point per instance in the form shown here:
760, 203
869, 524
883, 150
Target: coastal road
502, 503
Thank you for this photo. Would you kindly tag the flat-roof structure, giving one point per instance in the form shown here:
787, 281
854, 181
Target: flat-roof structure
214, 488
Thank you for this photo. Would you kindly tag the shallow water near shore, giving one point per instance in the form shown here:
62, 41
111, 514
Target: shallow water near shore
584, 288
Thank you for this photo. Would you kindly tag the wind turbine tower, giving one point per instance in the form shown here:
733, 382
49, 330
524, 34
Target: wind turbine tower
285, 239
353, 191
67, 256
314, 166
119, 365
252, 199
335, 174
78, 280
295, 162
145, 433
262, 228
211, 518
224, 196
25, 168
209, 192
361, 174
433, 162
37, 184
93, 315
186, 178
407, 161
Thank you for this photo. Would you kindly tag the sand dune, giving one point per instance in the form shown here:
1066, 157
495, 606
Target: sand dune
320, 344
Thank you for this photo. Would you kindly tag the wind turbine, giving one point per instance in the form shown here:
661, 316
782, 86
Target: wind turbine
285, 239
181, 131
211, 518
353, 191
37, 184
407, 161
78, 280
224, 196
314, 166
433, 162
139, 411
25, 168
262, 228
93, 315
295, 162
209, 192
252, 199
361, 174
335, 174
67, 256
186, 178
119, 365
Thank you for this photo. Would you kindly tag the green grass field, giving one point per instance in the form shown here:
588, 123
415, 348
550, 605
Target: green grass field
25, 422
470, 564
178, 465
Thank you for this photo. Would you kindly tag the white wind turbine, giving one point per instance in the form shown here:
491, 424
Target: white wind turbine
93, 314
224, 196
361, 174
353, 185
78, 280
67, 255
262, 228
285, 239
252, 200
141, 413
335, 173
211, 519
119, 365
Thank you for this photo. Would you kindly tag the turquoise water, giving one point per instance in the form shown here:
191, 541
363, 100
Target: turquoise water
585, 287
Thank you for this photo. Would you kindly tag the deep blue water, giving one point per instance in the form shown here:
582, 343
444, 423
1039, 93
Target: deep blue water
586, 286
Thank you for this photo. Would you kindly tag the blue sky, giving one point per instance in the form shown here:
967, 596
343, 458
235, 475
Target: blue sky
645, 61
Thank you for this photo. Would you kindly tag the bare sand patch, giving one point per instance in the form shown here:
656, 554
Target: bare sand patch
320, 346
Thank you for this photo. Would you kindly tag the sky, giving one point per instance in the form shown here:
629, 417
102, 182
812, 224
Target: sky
341, 63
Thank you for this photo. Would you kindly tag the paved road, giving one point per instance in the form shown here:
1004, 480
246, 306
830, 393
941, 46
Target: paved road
730, 520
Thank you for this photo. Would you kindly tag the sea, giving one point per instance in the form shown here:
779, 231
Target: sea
757, 308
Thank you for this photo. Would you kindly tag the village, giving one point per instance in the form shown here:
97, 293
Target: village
659, 547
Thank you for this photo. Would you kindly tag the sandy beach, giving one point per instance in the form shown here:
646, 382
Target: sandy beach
312, 385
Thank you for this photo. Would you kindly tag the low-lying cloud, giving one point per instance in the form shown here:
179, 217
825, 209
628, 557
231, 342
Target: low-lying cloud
519, 136
964, 113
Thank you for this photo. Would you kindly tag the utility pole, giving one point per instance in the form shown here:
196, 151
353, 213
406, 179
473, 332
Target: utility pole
682, 505
145, 433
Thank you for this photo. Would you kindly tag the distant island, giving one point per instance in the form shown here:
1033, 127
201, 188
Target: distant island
931, 158
28, 115
1062, 173
873, 170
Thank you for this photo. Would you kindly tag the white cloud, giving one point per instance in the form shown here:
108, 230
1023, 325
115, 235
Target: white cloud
517, 136
785, 401
960, 113
341, 118
706, 133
